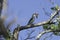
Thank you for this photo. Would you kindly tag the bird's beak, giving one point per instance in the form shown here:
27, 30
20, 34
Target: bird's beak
35, 15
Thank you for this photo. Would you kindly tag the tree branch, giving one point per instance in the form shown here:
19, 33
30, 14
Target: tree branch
46, 31
38, 24
39, 36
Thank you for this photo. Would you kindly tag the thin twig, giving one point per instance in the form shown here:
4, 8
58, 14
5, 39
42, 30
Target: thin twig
39, 36
46, 31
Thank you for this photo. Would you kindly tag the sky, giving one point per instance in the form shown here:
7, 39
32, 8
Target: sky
22, 10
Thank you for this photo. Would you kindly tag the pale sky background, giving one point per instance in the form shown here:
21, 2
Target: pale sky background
23, 10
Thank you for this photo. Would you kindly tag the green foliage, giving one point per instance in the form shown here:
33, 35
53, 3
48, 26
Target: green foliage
45, 27
54, 27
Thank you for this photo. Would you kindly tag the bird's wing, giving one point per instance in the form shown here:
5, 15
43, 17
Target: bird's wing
31, 21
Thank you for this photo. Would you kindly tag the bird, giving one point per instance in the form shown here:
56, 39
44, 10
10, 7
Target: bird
32, 19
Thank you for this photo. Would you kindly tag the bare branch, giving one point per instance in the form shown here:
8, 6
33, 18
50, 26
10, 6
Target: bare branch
39, 24
19, 28
16, 33
3, 29
39, 36
36, 25
46, 31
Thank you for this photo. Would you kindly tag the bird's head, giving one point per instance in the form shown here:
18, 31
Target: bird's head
35, 15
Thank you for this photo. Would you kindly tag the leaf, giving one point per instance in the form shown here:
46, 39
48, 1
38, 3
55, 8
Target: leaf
45, 27
54, 27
